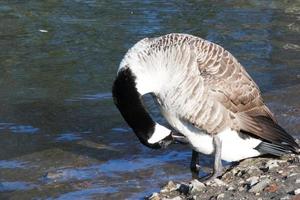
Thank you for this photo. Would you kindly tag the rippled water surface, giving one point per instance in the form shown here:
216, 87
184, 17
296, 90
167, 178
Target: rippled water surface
61, 136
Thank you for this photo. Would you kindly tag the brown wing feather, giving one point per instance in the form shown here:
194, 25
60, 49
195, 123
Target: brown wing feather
233, 91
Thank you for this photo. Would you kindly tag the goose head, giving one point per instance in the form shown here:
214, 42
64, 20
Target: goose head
127, 95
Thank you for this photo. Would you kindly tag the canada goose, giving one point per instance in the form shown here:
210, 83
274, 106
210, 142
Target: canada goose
204, 93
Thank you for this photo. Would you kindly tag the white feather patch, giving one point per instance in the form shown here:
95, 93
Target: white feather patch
235, 148
160, 132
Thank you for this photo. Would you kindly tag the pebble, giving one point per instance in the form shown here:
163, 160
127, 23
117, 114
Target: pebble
241, 188
171, 186
285, 198
298, 180
196, 186
260, 186
230, 188
297, 191
272, 188
182, 188
218, 182
154, 196
297, 197
252, 180
221, 196
272, 164
175, 198
293, 174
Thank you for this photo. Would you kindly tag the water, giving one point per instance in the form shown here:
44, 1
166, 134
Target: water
61, 137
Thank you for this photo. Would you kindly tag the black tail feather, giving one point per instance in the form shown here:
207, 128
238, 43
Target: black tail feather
274, 149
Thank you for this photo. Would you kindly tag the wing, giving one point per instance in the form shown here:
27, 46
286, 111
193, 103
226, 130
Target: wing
232, 99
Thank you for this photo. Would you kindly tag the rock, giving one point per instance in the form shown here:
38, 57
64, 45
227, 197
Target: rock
297, 197
218, 182
241, 188
272, 164
230, 188
154, 196
221, 196
252, 180
196, 186
184, 189
171, 186
297, 191
285, 198
293, 174
246, 180
260, 186
175, 198
271, 188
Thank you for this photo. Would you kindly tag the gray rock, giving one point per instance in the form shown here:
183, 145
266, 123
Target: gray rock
298, 180
221, 196
154, 196
260, 186
272, 164
230, 188
183, 188
297, 191
171, 186
285, 198
252, 180
196, 186
175, 198
218, 182
293, 174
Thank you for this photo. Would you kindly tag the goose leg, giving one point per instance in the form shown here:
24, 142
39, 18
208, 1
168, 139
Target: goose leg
194, 166
218, 168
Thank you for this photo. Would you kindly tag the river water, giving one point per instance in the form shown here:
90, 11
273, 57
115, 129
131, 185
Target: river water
61, 136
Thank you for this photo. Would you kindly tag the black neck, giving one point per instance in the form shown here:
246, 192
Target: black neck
129, 102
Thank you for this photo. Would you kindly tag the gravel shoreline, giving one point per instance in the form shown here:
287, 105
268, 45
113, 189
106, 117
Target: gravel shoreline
254, 178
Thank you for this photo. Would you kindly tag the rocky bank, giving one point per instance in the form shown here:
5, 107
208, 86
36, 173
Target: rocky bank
255, 178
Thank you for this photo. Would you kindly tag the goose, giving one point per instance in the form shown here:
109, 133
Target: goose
204, 93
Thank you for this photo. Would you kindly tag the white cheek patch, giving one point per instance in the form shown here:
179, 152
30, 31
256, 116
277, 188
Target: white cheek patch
160, 132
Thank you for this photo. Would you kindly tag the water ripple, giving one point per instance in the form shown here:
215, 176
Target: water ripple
86, 193
12, 164
16, 185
